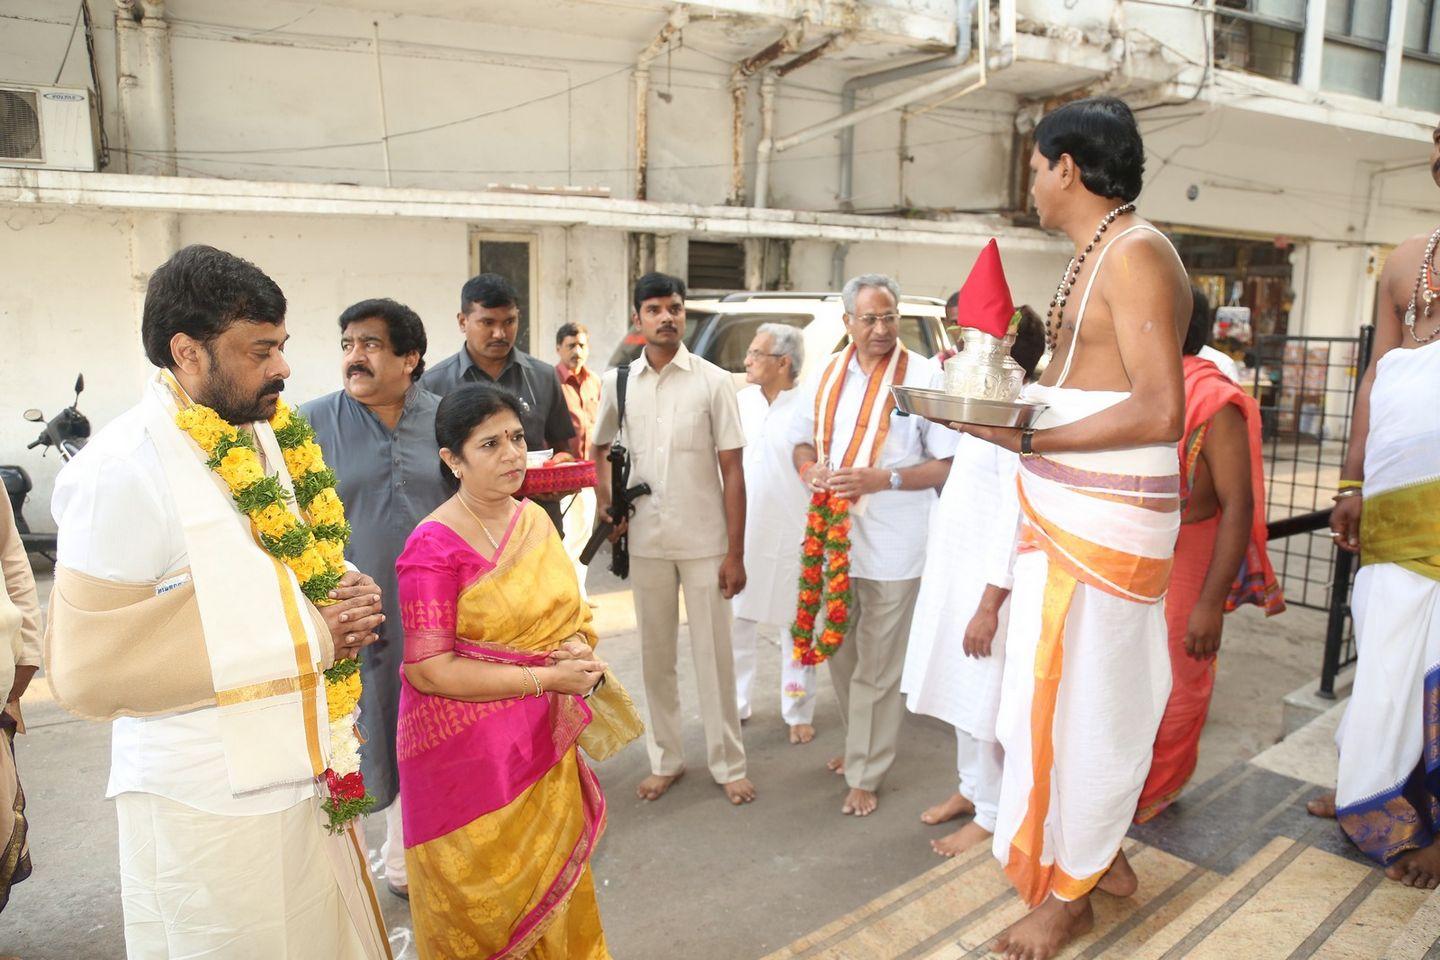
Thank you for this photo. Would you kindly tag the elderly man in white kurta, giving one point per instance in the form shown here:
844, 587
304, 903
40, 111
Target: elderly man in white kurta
774, 526
850, 441
169, 617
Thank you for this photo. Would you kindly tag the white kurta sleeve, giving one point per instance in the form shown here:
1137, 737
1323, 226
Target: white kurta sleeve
939, 441
607, 421
1004, 530
112, 521
802, 424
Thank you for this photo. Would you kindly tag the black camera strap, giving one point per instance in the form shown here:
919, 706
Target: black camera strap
622, 374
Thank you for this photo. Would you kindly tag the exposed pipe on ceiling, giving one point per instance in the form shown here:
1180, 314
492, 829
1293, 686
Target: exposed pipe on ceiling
679, 16
767, 102
964, 10
739, 88
966, 75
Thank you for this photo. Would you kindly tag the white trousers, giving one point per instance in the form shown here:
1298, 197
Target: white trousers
198, 885
980, 764
579, 513
392, 851
797, 681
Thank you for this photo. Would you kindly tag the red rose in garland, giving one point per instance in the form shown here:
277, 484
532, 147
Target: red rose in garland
825, 558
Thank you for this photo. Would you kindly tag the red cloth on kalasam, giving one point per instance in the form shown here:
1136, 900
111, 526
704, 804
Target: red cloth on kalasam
985, 302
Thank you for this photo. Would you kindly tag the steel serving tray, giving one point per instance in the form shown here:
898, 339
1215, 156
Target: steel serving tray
946, 408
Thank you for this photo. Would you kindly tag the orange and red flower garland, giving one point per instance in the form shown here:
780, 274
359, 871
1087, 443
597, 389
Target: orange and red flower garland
824, 580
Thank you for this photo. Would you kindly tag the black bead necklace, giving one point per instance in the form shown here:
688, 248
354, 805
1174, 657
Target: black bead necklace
1067, 282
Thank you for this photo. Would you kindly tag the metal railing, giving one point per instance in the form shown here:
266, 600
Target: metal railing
1305, 405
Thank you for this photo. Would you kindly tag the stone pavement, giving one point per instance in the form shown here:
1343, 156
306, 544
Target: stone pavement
687, 876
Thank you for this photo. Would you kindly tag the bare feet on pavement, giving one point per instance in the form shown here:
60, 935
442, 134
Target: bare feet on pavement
836, 765
739, 791
860, 803
654, 786
1418, 868
955, 806
1044, 931
1120, 879
1322, 806
961, 840
802, 733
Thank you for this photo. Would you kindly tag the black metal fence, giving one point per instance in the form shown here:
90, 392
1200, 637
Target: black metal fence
1306, 390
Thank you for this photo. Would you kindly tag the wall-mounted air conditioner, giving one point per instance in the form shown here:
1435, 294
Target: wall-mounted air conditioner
52, 128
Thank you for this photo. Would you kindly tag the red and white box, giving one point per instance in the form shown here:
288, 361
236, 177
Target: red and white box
558, 478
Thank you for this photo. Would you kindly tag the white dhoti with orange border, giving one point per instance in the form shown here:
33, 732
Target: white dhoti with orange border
1087, 670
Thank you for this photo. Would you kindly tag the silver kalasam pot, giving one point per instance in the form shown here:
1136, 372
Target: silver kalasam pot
984, 370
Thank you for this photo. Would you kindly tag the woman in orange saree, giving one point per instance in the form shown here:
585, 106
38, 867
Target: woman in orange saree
1220, 557
501, 815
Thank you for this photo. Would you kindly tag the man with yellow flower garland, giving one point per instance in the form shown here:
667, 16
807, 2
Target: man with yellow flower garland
200, 600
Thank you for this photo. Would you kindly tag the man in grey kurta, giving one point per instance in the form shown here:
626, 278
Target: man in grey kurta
378, 435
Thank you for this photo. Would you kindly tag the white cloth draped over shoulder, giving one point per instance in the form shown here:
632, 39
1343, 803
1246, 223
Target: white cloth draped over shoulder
884, 540
1391, 725
139, 505
775, 504
971, 544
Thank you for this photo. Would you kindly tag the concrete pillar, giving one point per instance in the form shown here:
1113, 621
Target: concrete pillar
147, 102
154, 238
672, 255
1312, 44
1394, 53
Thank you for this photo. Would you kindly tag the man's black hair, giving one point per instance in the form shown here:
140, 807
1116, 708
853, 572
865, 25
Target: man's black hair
1102, 137
200, 292
568, 330
1029, 345
488, 290
657, 285
407, 333
953, 300
1198, 333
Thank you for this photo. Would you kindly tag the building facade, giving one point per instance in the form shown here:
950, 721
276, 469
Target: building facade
360, 148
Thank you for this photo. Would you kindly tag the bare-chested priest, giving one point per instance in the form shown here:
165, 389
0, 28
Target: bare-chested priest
1087, 669
1388, 509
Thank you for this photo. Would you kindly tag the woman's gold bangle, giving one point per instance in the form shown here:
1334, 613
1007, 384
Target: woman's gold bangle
539, 690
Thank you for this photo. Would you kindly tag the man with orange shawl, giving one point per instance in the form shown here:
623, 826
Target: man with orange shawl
1220, 556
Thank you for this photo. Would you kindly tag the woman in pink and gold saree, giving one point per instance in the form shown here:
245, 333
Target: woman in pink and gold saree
500, 813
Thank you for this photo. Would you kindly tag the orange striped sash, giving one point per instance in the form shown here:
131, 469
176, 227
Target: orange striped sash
877, 401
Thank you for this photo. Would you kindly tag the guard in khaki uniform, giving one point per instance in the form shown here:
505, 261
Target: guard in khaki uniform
682, 428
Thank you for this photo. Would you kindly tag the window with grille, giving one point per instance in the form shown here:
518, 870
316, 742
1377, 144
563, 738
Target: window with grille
1260, 36
716, 265
1354, 58
1420, 67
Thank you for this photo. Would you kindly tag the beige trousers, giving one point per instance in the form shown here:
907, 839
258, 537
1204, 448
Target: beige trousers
866, 672
195, 884
657, 584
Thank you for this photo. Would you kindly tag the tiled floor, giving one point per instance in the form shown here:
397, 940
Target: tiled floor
1236, 870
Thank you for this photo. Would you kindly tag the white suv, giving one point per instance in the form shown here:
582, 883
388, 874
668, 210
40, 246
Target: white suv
720, 328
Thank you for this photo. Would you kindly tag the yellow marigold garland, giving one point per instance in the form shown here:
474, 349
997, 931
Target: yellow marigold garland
311, 545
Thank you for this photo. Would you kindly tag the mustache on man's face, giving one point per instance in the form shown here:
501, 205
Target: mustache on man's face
355, 368
274, 386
